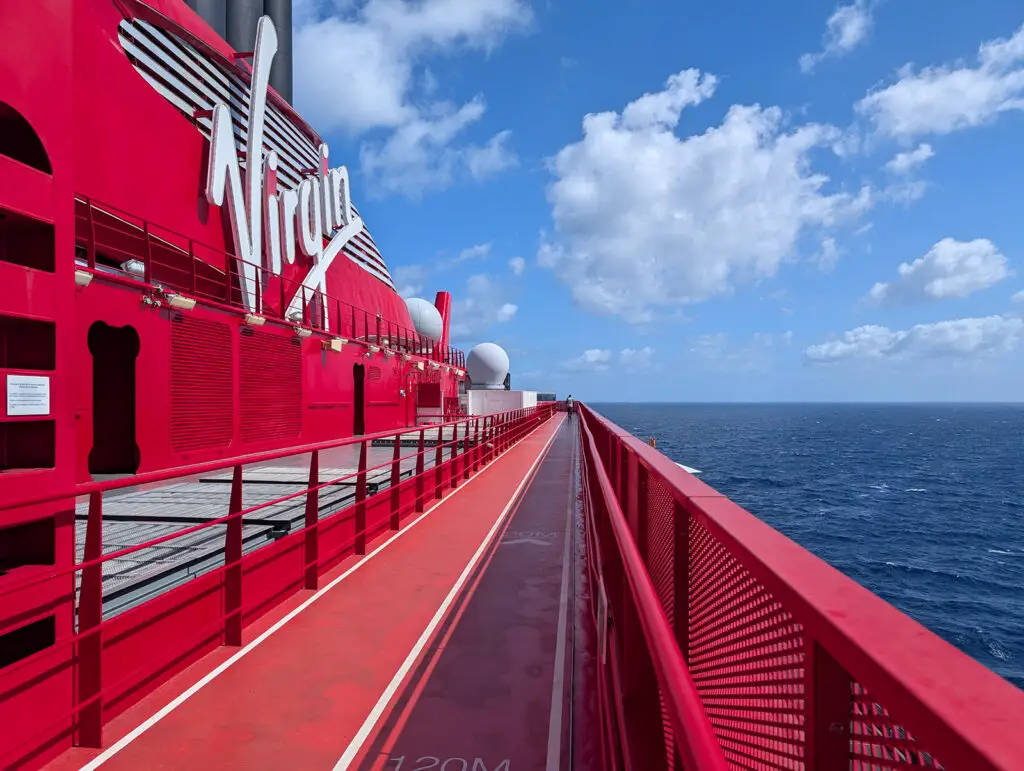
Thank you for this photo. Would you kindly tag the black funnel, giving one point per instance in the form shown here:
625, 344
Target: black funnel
236, 21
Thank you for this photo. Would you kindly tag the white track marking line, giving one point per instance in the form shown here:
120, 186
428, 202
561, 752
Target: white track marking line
378, 709
558, 682
151, 721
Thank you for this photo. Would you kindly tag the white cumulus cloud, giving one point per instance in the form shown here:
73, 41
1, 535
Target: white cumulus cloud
904, 163
958, 338
421, 154
945, 98
361, 65
600, 359
828, 255
483, 305
592, 359
517, 265
476, 252
846, 28
950, 269
637, 358
409, 279
646, 219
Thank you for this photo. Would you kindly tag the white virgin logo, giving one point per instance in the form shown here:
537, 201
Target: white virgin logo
259, 214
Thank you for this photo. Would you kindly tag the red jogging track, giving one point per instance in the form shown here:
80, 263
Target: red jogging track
449, 649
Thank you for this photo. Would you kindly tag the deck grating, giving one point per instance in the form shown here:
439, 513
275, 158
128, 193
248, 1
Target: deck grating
134, 516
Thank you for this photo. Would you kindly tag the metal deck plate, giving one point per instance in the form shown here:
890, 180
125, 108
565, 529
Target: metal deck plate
132, 517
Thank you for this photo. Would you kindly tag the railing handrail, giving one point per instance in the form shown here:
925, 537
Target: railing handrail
902, 664
221, 464
698, 744
452, 355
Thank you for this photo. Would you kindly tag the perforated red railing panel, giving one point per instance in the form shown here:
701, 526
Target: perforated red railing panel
877, 742
781, 651
746, 657
660, 552
659, 556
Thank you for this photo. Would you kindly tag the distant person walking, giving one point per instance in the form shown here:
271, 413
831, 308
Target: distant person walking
569, 404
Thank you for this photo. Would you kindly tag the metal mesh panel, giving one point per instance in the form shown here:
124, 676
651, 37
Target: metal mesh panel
878, 743
767, 674
601, 441
660, 552
746, 658
659, 511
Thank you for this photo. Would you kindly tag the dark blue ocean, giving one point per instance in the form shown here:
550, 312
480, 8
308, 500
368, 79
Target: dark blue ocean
922, 504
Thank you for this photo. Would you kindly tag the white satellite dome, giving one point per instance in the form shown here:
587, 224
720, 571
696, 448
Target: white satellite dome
487, 365
425, 318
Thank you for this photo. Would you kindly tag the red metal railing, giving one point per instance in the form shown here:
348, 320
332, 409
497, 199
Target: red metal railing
794, 665
453, 409
118, 660
174, 261
650, 709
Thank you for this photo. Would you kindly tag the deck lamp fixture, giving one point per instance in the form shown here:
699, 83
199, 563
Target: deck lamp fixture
181, 302
134, 267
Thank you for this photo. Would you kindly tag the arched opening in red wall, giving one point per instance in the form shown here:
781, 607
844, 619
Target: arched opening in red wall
19, 141
114, 352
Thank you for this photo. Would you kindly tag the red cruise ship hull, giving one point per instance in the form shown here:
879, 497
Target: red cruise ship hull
153, 387
520, 590
99, 169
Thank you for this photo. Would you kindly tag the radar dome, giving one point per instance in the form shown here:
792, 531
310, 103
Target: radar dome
487, 365
425, 318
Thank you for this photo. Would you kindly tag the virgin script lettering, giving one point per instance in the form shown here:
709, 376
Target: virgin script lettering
267, 223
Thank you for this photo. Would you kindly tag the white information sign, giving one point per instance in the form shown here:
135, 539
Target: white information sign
28, 395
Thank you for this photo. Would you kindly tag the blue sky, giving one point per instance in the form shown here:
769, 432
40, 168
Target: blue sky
786, 201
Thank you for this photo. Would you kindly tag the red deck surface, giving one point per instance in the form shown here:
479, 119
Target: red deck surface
442, 639
490, 690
